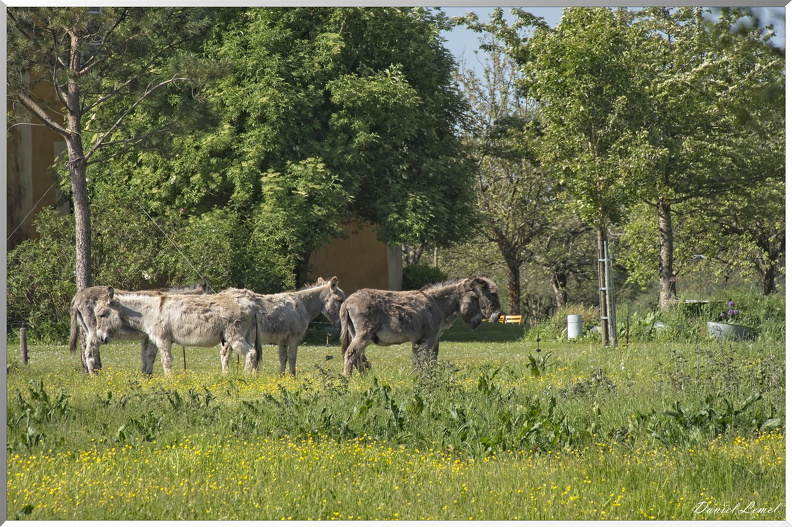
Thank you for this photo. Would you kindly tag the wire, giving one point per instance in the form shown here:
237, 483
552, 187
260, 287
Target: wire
141, 208
172, 243
31, 211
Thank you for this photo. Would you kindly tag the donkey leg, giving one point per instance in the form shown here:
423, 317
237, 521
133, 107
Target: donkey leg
249, 352
435, 353
89, 356
418, 359
165, 356
355, 354
83, 353
148, 352
422, 354
225, 356
292, 355
283, 355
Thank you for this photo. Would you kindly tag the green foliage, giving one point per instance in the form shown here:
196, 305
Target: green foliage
37, 409
554, 328
350, 122
668, 106
583, 72
132, 251
41, 278
416, 276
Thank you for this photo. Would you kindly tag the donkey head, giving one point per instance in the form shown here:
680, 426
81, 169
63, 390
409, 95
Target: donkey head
487, 294
332, 298
470, 310
108, 321
473, 306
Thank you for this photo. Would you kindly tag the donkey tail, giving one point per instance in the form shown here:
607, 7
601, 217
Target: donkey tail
257, 341
74, 331
345, 337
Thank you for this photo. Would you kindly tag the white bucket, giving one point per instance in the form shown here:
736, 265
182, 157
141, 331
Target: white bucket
574, 326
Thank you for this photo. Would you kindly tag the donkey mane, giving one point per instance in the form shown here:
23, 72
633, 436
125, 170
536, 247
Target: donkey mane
441, 285
310, 286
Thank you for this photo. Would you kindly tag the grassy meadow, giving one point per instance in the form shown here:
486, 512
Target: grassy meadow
504, 428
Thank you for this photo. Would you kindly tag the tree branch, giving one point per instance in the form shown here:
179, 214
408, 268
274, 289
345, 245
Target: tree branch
114, 127
144, 69
31, 105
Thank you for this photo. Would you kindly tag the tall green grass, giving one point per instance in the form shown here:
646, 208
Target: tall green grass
504, 427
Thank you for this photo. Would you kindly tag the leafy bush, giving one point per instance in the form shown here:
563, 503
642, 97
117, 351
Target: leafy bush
683, 322
129, 251
764, 313
418, 275
41, 278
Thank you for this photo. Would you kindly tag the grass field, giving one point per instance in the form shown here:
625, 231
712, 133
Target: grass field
502, 429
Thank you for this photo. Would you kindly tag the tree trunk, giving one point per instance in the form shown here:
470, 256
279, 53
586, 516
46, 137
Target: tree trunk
511, 257
768, 280
513, 269
301, 270
666, 264
559, 282
77, 169
82, 222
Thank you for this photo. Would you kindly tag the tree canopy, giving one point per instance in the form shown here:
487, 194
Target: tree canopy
657, 105
329, 115
88, 73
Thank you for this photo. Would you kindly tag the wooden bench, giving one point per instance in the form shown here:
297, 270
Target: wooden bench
510, 319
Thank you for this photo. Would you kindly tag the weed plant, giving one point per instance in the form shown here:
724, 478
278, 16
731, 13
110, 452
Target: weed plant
504, 427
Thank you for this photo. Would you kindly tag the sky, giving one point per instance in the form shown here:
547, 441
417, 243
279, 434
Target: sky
463, 43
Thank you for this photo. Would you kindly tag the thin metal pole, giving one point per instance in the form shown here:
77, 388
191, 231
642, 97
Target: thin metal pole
603, 298
613, 335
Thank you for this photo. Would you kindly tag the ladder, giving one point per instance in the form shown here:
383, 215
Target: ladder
610, 300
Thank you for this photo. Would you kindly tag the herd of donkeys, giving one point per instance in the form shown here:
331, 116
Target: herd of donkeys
242, 320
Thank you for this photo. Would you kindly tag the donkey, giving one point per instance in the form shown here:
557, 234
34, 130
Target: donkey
420, 317
82, 318
284, 317
188, 320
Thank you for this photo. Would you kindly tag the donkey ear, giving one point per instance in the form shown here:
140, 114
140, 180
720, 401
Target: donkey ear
334, 282
205, 284
110, 293
483, 283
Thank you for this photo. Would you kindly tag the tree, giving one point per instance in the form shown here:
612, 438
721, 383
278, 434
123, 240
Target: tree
564, 252
102, 65
658, 105
513, 193
580, 75
329, 115
713, 119
747, 230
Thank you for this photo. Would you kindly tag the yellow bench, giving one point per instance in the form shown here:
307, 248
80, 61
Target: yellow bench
510, 319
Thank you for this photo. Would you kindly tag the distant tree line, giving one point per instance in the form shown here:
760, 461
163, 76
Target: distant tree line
661, 129
234, 142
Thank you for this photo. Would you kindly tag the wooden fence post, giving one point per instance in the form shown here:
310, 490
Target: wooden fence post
23, 344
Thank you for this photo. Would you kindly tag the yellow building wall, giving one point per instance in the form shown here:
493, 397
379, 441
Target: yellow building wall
31, 151
359, 261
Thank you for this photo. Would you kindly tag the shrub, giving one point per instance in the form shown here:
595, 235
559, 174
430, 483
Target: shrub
418, 275
41, 278
129, 251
